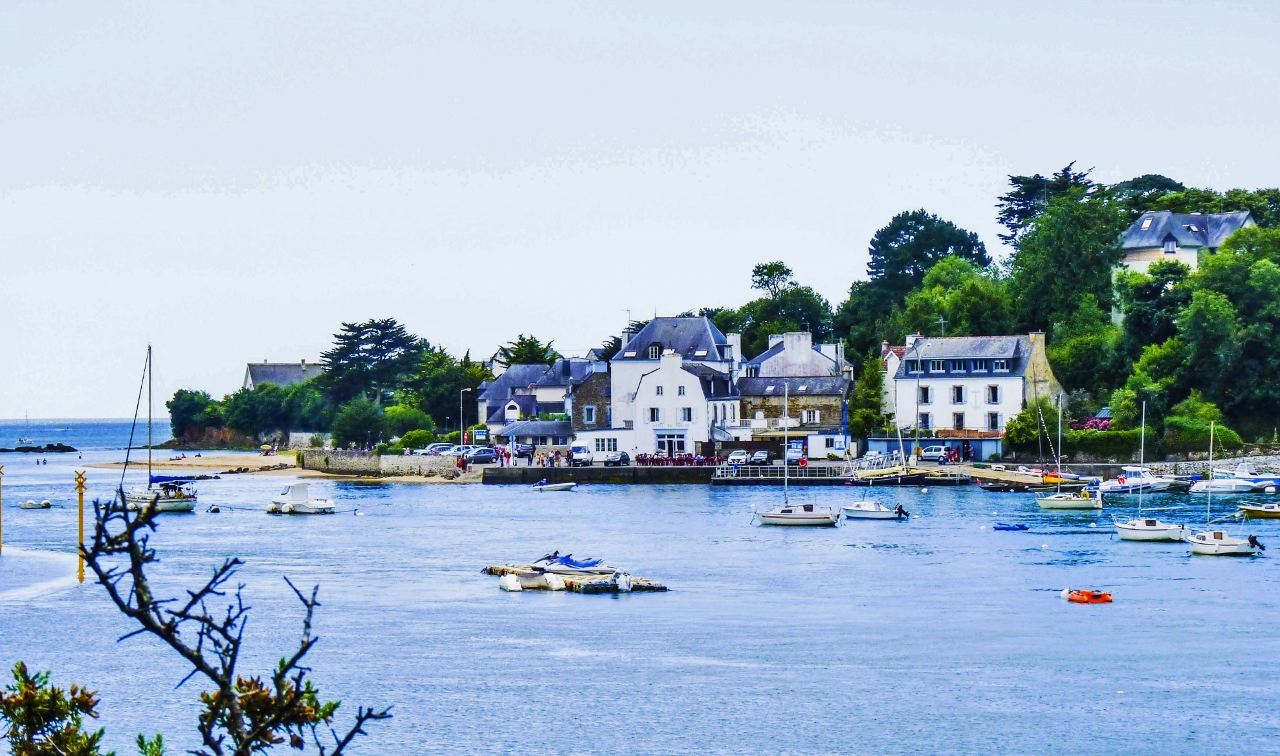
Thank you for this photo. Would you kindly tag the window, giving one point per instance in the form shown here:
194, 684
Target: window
728, 351
913, 366
562, 440
1000, 366
1193, 229
811, 417
1146, 223
680, 391
655, 352
608, 415
686, 414
659, 390
993, 421
957, 394
700, 353
924, 421
923, 397
753, 371
733, 412
655, 415
993, 394
1170, 247
981, 366
937, 366
957, 420
606, 444
589, 415
670, 444
957, 366
830, 443
600, 444
769, 389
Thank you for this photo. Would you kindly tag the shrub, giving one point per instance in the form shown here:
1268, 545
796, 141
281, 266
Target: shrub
402, 419
1117, 444
358, 422
1185, 434
417, 439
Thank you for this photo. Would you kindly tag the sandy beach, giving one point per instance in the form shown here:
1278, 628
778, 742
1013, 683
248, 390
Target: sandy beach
282, 464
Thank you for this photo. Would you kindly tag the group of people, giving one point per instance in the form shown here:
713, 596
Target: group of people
679, 460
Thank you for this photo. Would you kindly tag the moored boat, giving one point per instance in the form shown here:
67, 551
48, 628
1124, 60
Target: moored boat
1269, 511
1218, 543
1224, 486
871, 509
1079, 500
1086, 597
1149, 529
1136, 479
296, 499
800, 514
33, 504
543, 485
172, 495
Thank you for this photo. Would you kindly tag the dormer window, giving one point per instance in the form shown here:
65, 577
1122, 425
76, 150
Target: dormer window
655, 351
1170, 246
937, 366
913, 366
999, 366
1146, 223
1193, 228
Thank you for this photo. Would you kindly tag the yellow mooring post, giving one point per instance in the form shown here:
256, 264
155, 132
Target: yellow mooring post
80, 549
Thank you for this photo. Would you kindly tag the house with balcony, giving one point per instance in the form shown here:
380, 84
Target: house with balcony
671, 387
969, 387
1183, 238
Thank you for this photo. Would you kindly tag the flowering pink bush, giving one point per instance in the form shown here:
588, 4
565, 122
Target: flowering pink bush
1092, 423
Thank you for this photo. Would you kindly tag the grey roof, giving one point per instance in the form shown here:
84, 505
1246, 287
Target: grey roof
1016, 349
813, 386
1208, 230
779, 348
282, 373
691, 338
715, 383
564, 372
537, 428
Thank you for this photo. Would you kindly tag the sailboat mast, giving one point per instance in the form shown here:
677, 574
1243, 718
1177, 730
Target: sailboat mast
148, 416
1059, 442
1142, 452
1208, 507
786, 421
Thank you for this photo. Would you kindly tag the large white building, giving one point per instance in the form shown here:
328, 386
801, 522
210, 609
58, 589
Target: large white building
970, 383
671, 387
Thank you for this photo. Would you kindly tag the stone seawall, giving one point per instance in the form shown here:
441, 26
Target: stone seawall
1264, 463
618, 475
346, 462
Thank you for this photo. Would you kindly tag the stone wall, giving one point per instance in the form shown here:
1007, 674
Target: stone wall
594, 392
303, 439
393, 464
1264, 463
347, 462
830, 410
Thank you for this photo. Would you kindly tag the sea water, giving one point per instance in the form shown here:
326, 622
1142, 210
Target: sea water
933, 635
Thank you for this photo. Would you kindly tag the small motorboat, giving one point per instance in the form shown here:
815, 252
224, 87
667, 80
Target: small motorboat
1260, 511
1225, 486
1218, 543
543, 485
1247, 471
1086, 597
1148, 529
33, 504
1136, 478
871, 509
296, 499
1010, 526
1078, 500
800, 514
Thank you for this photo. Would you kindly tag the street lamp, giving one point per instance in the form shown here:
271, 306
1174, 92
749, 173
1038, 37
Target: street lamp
461, 433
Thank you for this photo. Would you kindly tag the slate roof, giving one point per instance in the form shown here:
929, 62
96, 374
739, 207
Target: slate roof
813, 386
524, 376
1016, 349
715, 384
691, 338
537, 428
281, 373
1208, 230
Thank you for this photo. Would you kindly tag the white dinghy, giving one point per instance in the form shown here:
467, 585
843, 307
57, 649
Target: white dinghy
873, 510
1146, 528
296, 499
544, 486
1217, 542
795, 514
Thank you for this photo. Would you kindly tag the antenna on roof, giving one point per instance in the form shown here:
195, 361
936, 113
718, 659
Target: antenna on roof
943, 322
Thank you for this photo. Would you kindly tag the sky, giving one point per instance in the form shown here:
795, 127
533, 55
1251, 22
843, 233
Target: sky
229, 182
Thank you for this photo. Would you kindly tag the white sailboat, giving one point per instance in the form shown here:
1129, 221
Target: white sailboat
801, 514
1217, 542
168, 497
1061, 500
1146, 528
26, 426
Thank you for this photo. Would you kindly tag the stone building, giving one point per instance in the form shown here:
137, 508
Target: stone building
815, 406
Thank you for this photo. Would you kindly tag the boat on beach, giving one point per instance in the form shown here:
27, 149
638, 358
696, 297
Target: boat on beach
296, 499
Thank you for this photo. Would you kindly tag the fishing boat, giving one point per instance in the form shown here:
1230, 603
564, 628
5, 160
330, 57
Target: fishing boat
870, 509
543, 485
296, 499
1217, 542
1260, 511
1146, 528
799, 514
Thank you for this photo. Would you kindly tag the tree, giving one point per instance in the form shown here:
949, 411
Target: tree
401, 419
1031, 196
242, 715
904, 251
307, 407
417, 439
358, 422
1070, 250
369, 359
1083, 350
771, 278
1151, 303
964, 297
192, 412
866, 406
1262, 204
258, 410
795, 308
44, 720
436, 385
1138, 195
527, 350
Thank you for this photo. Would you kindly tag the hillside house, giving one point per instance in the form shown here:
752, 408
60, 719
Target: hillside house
1183, 238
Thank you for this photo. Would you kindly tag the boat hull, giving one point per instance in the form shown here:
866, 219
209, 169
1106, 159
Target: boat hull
800, 519
864, 514
1049, 502
1223, 486
555, 487
138, 500
1161, 532
1263, 512
1220, 544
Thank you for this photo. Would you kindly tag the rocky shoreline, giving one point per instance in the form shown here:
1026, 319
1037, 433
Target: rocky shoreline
46, 449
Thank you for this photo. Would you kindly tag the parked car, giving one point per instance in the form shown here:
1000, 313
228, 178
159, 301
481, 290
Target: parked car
739, 457
434, 449
794, 455
483, 456
935, 453
616, 459
762, 457
581, 455
521, 450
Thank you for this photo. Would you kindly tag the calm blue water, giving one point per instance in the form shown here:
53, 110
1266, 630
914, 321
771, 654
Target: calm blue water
927, 636
85, 435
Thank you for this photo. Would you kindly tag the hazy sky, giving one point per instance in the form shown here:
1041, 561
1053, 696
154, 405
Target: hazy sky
231, 181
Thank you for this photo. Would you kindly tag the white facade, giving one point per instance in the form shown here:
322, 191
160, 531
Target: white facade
984, 402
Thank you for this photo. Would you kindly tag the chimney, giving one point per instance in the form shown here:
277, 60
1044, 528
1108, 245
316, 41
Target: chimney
735, 344
304, 363
566, 368
775, 340
884, 347
912, 339
626, 336
797, 342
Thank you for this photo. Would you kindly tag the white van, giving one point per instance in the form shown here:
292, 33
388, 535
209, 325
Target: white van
582, 455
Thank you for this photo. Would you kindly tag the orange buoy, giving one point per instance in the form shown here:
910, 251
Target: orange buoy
1089, 597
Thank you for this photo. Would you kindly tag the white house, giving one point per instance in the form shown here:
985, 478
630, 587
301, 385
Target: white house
1164, 235
794, 355
970, 383
671, 386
